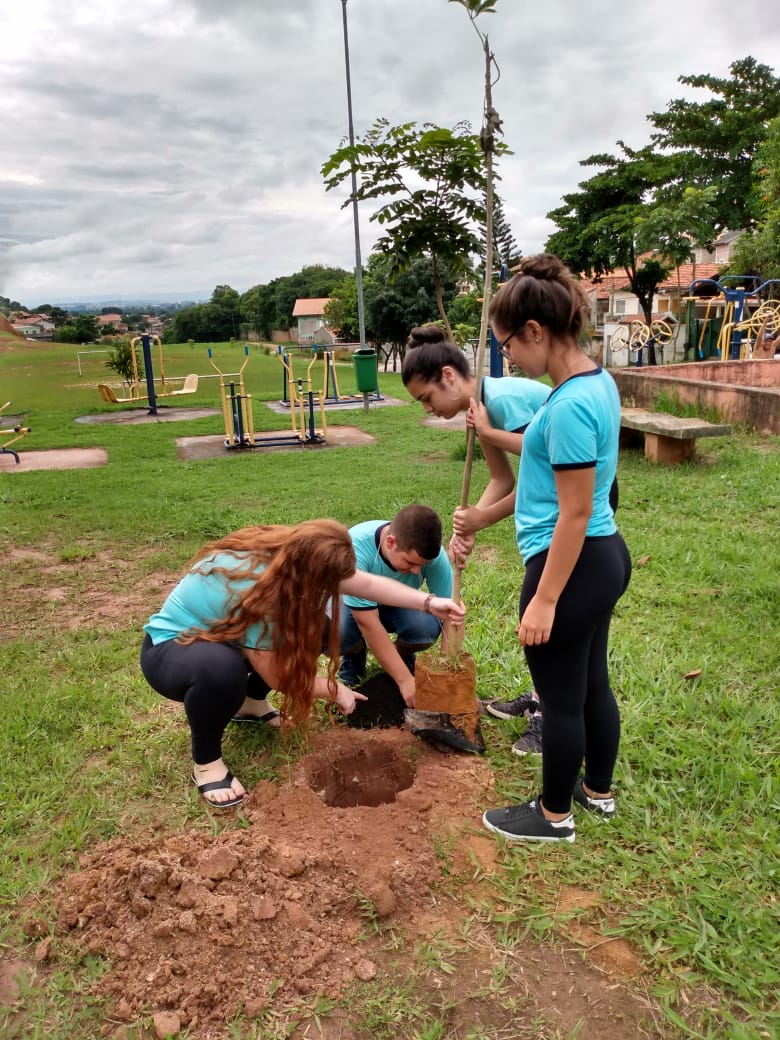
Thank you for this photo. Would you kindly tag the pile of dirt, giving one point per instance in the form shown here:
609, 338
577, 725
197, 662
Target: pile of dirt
9, 330
198, 927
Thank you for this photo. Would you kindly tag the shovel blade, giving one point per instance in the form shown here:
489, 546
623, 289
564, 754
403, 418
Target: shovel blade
460, 732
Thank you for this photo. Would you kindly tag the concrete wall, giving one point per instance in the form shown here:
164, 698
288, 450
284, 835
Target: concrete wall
741, 392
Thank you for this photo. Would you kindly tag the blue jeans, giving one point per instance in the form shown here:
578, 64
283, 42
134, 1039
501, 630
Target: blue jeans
414, 631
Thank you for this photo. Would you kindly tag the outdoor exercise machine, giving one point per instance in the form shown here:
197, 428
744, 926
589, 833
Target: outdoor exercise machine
238, 417
762, 326
17, 432
733, 342
330, 393
168, 387
637, 335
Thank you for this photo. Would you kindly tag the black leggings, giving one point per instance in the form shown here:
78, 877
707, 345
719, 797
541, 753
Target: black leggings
210, 679
570, 674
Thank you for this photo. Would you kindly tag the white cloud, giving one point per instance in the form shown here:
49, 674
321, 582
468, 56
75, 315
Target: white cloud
168, 145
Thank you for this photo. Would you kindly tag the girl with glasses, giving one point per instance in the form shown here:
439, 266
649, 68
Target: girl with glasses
576, 563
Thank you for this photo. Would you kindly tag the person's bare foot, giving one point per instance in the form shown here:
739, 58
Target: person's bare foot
226, 790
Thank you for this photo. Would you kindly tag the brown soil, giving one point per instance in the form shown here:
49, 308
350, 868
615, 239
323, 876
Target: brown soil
53, 458
337, 877
310, 895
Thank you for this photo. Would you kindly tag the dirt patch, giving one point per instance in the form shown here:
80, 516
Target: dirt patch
54, 458
307, 899
205, 925
141, 414
366, 869
90, 589
211, 447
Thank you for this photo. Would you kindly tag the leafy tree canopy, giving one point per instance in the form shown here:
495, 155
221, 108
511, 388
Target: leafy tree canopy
81, 329
714, 142
269, 307
392, 308
758, 252
429, 182
599, 224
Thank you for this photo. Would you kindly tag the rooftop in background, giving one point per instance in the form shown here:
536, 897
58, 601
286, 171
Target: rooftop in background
312, 308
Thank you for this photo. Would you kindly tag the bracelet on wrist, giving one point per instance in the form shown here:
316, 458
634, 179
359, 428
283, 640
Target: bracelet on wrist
427, 603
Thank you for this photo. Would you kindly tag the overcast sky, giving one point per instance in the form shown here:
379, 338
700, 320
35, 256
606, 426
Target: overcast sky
169, 146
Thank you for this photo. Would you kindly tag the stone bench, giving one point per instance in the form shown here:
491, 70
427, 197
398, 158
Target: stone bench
669, 439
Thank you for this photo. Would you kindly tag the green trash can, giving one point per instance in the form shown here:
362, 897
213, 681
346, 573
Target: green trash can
365, 370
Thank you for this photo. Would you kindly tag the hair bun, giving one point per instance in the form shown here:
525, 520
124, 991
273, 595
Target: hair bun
425, 334
546, 267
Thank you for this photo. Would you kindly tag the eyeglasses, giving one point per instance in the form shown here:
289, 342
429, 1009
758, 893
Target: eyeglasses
502, 347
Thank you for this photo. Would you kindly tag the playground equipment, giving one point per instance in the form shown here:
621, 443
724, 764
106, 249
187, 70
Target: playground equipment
733, 340
18, 432
636, 336
239, 420
761, 326
365, 372
167, 387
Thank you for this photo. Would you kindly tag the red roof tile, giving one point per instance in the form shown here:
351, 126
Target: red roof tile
312, 308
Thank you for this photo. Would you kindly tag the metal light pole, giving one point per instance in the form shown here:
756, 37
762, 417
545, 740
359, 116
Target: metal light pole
358, 262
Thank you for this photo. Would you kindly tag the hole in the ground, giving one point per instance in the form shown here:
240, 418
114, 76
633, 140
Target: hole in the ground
365, 776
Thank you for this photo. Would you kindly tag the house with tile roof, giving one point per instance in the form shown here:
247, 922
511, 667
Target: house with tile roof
311, 325
35, 326
611, 299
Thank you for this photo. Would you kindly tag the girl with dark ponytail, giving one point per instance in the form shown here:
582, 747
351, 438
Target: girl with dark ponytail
436, 373
576, 563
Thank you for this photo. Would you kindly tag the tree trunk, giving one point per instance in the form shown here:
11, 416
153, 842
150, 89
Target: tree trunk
647, 309
440, 297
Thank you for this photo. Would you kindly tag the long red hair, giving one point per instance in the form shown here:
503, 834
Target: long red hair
303, 568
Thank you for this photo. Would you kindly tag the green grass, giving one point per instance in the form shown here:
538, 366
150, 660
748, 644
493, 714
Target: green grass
688, 870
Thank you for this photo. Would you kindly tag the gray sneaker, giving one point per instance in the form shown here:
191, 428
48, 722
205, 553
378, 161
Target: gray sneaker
511, 709
604, 807
531, 741
527, 822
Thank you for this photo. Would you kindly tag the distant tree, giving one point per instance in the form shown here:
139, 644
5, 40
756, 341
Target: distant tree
269, 307
465, 309
228, 303
673, 228
758, 252
7, 305
256, 309
81, 329
411, 298
341, 313
58, 316
430, 184
211, 322
598, 225
714, 142
506, 251
67, 334
108, 330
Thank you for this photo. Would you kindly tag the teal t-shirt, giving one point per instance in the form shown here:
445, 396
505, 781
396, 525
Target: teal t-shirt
511, 402
437, 574
203, 597
578, 427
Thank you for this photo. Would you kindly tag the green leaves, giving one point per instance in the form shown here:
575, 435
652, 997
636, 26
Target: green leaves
477, 7
429, 183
